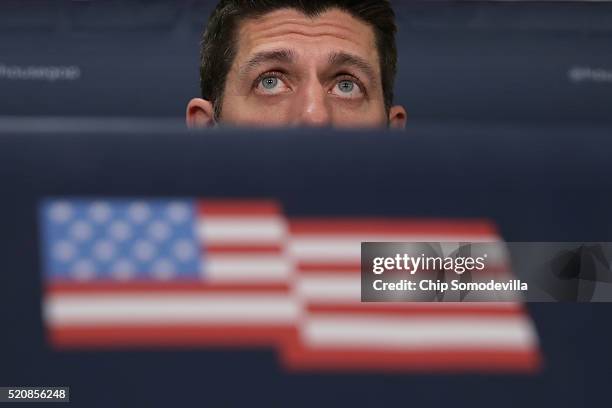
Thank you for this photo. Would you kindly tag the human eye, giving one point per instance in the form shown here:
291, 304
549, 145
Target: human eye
271, 83
348, 88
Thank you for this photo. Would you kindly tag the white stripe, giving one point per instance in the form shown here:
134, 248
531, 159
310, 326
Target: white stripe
432, 332
329, 289
348, 248
138, 309
241, 230
246, 268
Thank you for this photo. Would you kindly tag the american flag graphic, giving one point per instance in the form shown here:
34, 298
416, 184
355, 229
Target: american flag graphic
186, 272
338, 331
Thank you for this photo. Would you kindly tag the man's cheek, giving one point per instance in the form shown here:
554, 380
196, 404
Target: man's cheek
362, 117
254, 112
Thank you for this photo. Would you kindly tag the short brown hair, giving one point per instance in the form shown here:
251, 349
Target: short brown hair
219, 42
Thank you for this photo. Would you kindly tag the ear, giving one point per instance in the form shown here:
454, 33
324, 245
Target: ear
200, 113
397, 117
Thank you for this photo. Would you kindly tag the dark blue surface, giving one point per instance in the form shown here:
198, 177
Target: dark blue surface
538, 184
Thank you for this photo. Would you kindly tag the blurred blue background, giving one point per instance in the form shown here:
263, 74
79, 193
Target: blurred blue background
460, 61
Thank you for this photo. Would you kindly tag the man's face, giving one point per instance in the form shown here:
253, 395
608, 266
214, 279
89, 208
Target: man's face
294, 70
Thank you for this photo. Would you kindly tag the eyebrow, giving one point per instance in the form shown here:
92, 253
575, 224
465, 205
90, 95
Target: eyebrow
346, 59
286, 56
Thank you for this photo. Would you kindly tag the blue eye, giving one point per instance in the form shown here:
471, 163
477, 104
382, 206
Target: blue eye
348, 89
346, 86
269, 83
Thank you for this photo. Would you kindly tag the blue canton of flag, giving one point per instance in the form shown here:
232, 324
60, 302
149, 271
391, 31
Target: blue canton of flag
121, 239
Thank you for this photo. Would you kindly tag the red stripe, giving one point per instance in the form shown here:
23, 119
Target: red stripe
238, 208
243, 249
154, 288
167, 336
294, 355
297, 358
412, 310
309, 267
390, 226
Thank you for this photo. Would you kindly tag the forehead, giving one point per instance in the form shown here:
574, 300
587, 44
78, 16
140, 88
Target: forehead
332, 31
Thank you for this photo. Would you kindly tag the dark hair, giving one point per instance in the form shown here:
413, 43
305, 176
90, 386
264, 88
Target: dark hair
219, 41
